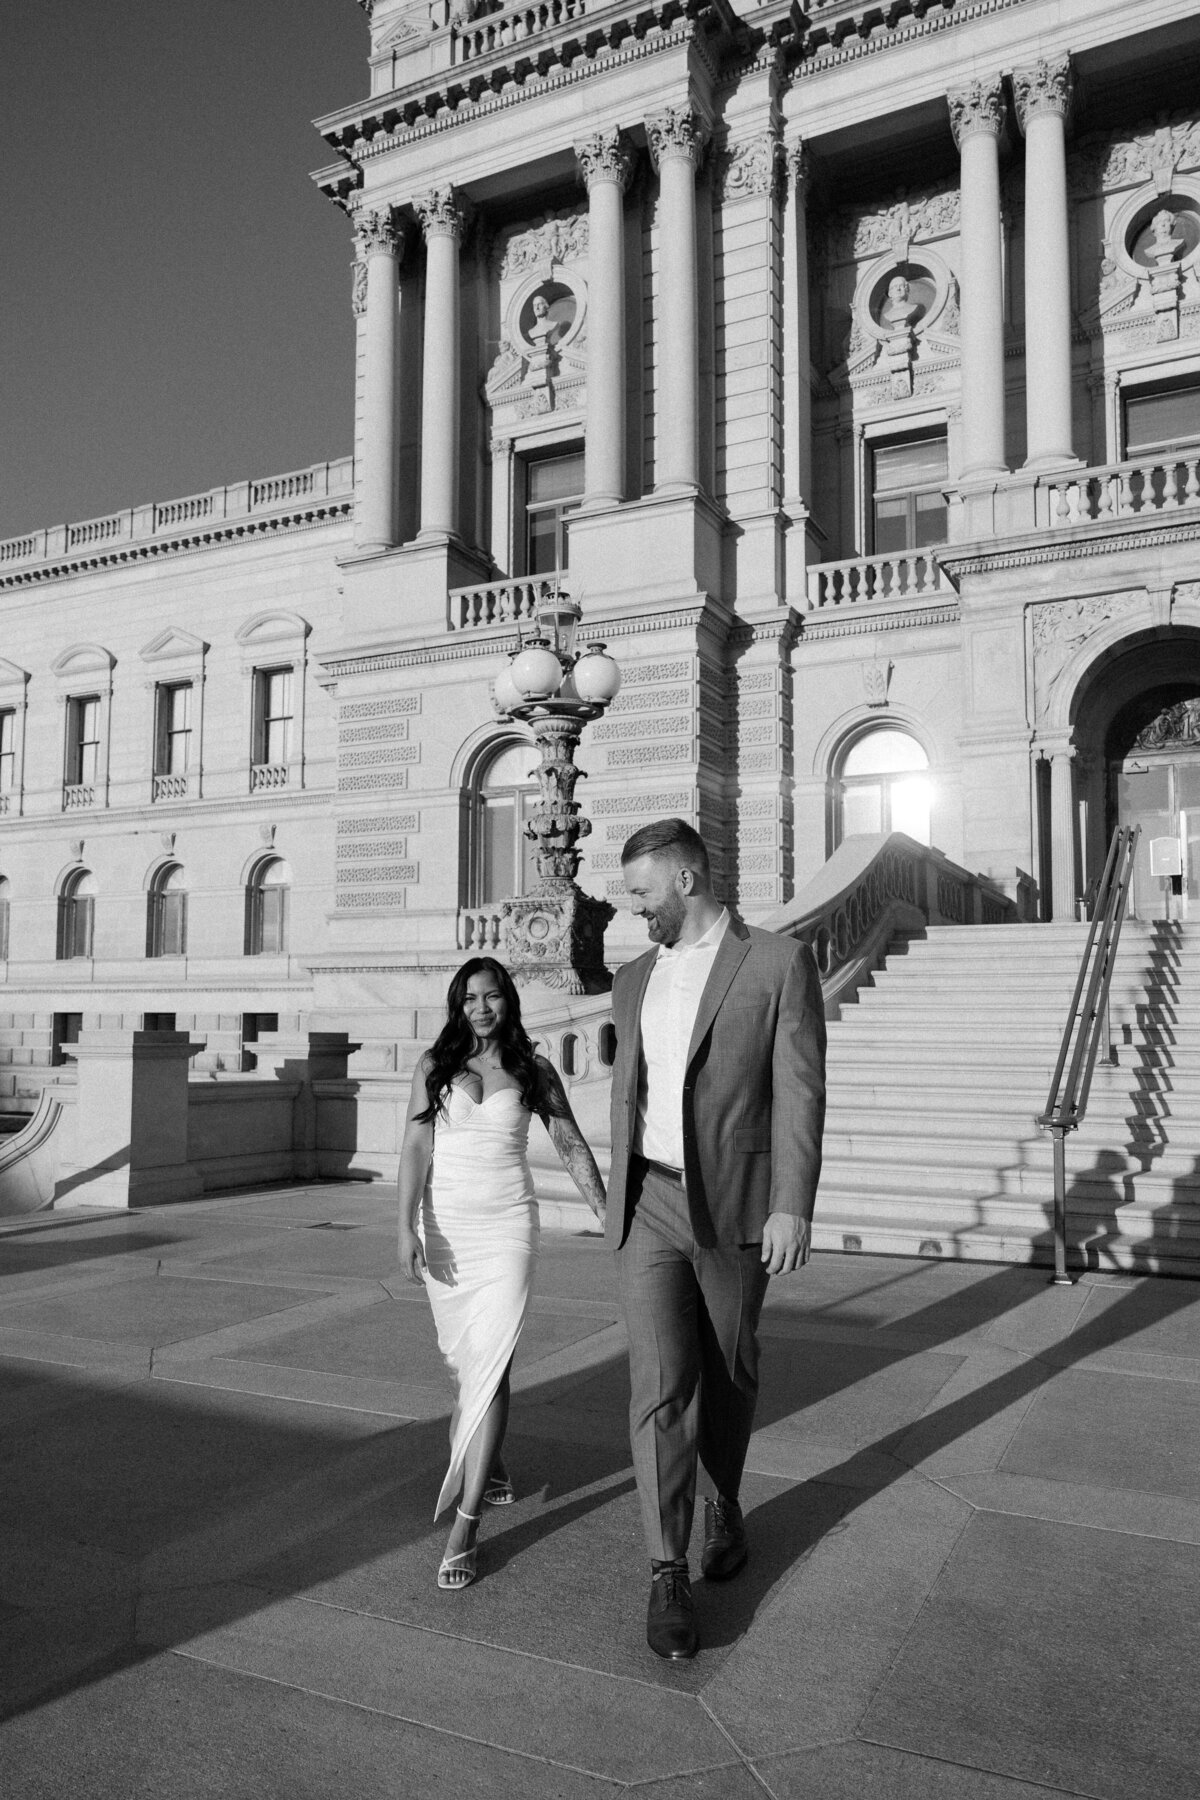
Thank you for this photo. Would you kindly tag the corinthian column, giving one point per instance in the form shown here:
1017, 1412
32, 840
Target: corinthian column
442, 222
606, 166
677, 140
1043, 100
797, 389
380, 244
977, 119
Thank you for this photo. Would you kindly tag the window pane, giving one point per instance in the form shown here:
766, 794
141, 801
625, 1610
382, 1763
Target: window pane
932, 520
543, 543
556, 478
909, 805
862, 809
919, 464
1169, 417
498, 834
274, 902
891, 526
8, 760
3, 928
278, 738
884, 752
80, 933
511, 768
174, 916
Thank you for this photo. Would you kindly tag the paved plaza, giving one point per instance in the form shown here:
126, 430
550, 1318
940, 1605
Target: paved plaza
973, 1506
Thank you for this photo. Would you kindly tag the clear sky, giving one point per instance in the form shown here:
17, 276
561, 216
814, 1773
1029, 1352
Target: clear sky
175, 292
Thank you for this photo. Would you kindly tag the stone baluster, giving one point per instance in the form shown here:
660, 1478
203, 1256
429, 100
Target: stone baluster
977, 119
797, 389
677, 140
380, 246
606, 165
442, 223
1043, 95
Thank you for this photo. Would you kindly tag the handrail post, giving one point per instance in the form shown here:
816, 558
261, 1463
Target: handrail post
1060, 1277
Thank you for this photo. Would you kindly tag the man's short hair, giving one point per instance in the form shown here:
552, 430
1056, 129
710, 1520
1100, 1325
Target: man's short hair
669, 837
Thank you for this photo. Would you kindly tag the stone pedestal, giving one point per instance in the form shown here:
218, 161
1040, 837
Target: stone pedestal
556, 938
308, 1058
131, 1120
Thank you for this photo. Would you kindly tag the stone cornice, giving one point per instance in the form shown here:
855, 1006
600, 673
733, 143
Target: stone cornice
850, 622
1088, 541
822, 52
213, 537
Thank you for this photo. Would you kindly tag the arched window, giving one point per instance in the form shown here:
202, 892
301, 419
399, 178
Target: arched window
5, 898
503, 859
882, 784
267, 908
166, 913
76, 915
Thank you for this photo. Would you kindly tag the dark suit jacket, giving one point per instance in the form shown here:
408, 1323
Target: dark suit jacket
753, 1095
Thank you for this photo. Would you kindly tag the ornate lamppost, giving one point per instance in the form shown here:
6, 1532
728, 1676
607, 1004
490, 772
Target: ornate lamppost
556, 934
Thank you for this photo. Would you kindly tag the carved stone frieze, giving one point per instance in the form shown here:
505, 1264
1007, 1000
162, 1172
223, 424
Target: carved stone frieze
751, 169
1178, 724
1059, 627
978, 107
1045, 87
1154, 153
605, 156
561, 237
677, 132
853, 235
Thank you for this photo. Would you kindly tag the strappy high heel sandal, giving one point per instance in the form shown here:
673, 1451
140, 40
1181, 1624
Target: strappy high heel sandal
458, 1571
499, 1491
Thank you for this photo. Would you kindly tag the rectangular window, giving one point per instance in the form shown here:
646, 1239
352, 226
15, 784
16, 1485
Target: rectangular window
158, 1021
8, 750
1162, 418
173, 731
83, 739
273, 706
908, 501
553, 491
272, 932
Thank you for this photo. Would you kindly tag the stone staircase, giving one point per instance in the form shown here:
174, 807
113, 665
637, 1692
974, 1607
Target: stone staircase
936, 1077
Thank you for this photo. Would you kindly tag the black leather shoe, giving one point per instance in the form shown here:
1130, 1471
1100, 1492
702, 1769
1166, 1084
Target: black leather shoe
725, 1549
671, 1620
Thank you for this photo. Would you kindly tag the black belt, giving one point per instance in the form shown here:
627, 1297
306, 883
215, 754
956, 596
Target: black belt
664, 1169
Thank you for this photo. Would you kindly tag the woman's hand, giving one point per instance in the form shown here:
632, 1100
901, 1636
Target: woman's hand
412, 1256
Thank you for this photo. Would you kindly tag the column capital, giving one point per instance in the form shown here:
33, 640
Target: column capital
605, 156
378, 232
799, 164
1043, 87
977, 109
441, 214
676, 134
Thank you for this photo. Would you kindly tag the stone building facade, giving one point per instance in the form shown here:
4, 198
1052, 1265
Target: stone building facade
844, 364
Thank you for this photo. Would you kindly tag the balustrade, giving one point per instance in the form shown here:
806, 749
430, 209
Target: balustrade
500, 602
479, 928
1119, 491
869, 580
500, 30
78, 794
170, 787
268, 775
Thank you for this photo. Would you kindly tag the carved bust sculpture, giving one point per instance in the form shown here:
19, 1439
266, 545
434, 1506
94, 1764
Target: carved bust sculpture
900, 309
1164, 244
544, 329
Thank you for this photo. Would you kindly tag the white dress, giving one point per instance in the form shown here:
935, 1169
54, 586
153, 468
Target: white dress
480, 1225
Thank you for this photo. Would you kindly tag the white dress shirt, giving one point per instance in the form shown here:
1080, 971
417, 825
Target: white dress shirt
669, 1008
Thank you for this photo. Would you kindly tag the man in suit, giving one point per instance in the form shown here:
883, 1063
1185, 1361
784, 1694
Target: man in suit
718, 1103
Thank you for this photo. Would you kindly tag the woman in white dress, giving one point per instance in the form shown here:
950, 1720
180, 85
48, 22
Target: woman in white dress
463, 1165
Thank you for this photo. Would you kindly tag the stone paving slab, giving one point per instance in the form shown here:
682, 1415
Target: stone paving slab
971, 1503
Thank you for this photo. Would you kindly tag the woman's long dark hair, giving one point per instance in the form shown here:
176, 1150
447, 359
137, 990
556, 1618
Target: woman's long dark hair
456, 1042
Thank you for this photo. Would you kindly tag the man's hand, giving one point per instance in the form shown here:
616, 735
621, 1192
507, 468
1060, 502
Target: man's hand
786, 1244
412, 1257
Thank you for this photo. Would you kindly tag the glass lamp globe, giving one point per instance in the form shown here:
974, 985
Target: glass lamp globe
505, 691
597, 676
537, 673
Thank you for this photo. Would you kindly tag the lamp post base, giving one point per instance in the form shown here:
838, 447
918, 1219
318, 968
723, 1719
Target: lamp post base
557, 938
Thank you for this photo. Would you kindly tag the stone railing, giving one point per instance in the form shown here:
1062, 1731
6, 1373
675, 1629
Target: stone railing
492, 32
479, 928
873, 887
5, 802
1125, 490
267, 775
170, 787
78, 794
500, 602
194, 514
874, 580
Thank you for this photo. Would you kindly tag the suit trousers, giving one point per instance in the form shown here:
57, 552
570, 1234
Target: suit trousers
692, 1315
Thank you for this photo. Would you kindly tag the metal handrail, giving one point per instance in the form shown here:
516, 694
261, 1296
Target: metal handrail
1088, 1022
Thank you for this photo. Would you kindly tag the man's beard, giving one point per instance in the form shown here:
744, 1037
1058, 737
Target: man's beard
667, 921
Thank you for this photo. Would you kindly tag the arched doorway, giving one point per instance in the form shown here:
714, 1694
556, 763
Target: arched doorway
1137, 735
1153, 760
